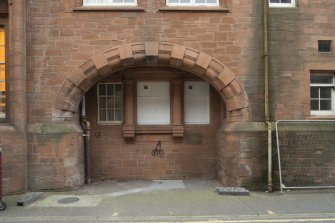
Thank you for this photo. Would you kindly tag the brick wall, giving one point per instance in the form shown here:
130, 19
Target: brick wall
112, 157
294, 35
61, 39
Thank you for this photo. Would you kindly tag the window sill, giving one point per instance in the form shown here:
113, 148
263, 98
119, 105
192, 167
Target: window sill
147, 129
109, 8
130, 131
193, 9
321, 117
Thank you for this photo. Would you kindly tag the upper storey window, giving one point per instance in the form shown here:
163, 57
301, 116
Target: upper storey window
282, 3
192, 2
322, 94
110, 2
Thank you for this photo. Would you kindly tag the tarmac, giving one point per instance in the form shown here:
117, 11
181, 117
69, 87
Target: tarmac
170, 201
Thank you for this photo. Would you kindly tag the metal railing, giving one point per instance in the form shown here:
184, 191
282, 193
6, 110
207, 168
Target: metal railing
282, 186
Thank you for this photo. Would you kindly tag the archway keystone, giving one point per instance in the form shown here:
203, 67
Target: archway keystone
147, 54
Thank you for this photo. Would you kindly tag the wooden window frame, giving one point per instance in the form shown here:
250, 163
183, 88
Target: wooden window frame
110, 122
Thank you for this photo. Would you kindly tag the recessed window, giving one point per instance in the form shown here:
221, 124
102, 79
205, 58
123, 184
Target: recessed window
324, 46
282, 3
322, 94
196, 102
153, 103
2, 73
110, 103
110, 2
192, 2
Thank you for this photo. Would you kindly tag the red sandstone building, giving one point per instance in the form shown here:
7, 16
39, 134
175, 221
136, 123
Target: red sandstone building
158, 89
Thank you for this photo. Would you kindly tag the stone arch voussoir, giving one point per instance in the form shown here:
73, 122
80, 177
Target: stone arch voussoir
148, 54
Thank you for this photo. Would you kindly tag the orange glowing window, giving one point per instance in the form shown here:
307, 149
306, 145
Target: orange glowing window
2, 74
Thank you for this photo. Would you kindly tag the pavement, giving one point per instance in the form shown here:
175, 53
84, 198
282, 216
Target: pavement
170, 201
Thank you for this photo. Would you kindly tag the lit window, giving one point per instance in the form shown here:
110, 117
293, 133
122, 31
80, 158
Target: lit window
196, 102
282, 3
322, 94
153, 103
192, 2
110, 103
2, 74
109, 2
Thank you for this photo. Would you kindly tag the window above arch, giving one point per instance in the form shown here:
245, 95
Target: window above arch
282, 3
109, 2
192, 2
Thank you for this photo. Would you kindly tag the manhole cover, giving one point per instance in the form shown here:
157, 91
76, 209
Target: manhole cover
68, 200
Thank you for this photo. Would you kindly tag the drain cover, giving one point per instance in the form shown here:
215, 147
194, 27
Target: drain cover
68, 200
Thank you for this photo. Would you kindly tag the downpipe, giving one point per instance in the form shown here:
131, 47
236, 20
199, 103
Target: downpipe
86, 127
266, 91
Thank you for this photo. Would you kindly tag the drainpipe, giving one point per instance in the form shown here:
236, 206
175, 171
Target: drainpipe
266, 90
85, 125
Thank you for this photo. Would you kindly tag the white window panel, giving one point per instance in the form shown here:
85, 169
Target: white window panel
153, 103
322, 94
192, 2
196, 102
282, 3
110, 2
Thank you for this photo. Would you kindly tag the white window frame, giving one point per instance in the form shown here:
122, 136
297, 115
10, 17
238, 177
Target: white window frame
109, 3
192, 3
331, 85
99, 108
282, 5
203, 99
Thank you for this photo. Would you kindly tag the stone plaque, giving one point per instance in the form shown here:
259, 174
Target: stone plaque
194, 139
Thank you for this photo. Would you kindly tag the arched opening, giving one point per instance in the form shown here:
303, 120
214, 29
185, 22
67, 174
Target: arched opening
151, 54
191, 150
169, 108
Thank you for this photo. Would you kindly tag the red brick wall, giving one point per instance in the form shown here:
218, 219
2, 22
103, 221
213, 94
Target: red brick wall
61, 39
114, 158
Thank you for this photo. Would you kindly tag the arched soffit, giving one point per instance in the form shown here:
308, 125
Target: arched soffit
146, 54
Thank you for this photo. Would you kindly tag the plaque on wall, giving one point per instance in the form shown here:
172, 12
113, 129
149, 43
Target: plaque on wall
194, 139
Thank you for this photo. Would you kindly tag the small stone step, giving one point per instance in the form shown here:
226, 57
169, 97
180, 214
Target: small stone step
237, 191
29, 198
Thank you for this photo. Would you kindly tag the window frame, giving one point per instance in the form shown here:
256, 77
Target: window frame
283, 5
85, 4
329, 85
193, 4
113, 122
325, 41
4, 24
